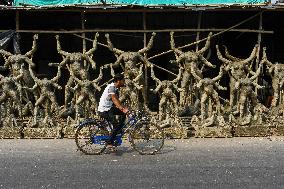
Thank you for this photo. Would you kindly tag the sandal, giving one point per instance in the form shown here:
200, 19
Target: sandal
111, 148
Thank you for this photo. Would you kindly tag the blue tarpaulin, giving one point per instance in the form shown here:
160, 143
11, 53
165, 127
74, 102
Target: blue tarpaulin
134, 2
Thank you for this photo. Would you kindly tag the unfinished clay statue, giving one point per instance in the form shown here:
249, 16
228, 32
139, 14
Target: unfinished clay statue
130, 61
14, 62
86, 90
207, 86
75, 61
237, 69
277, 74
168, 101
47, 97
190, 62
248, 99
11, 96
130, 93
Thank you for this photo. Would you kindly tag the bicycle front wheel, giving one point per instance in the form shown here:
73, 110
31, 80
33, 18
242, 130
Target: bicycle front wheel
147, 138
89, 138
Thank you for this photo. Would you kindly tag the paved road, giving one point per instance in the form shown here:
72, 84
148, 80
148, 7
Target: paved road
192, 163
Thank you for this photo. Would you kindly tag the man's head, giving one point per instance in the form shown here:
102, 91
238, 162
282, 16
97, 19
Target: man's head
119, 80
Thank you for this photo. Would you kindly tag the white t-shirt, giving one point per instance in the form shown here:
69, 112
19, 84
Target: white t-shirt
106, 103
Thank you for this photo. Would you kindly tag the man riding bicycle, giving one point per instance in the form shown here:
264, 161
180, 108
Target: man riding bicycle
110, 105
91, 137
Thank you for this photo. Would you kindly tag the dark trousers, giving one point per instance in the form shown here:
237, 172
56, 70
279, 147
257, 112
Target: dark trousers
117, 124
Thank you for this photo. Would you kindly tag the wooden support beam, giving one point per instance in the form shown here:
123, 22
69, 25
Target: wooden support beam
141, 31
258, 59
17, 21
83, 35
259, 38
146, 69
198, 27
83, 28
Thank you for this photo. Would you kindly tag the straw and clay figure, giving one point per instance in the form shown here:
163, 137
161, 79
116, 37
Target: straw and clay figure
248, 99
208, 92
237, 69
47, 98
190, 62
11, 96
17, 63
168, 101
277, 74
129, 93
86, 91
76, 62
130, 61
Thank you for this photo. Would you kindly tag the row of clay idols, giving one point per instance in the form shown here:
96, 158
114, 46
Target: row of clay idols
190, 73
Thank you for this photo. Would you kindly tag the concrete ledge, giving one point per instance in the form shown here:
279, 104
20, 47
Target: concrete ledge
213, 132
69, 132
277, 131
251, 131
176, 132
42, 132
9, 132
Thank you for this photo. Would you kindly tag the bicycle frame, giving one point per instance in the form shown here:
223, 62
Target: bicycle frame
145, 136
130, 124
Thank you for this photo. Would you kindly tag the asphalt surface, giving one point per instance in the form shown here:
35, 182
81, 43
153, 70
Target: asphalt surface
191, 163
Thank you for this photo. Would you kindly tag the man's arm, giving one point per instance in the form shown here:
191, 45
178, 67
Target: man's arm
118, 104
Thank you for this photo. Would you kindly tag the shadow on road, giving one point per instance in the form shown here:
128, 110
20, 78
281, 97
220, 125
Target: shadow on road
123, 150
167, 149
127, 150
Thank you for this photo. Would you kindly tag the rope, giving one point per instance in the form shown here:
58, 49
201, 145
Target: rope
188, 45
214, 35
107, 47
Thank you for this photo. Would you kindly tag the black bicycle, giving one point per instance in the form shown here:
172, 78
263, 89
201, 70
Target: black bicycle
144, 136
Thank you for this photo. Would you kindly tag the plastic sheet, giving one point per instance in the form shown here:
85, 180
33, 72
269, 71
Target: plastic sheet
6, 37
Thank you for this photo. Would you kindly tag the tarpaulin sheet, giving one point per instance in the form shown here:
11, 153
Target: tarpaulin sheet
6, 37
135, 2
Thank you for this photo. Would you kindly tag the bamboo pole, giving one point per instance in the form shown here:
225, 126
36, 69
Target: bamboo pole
259, 38
83, 28
191, 96
145, 91
17, 21
86, 105
198, 27
258, 59
142, 31
83, 34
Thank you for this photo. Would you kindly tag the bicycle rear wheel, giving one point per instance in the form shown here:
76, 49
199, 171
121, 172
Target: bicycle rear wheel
89, 138
147, 138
